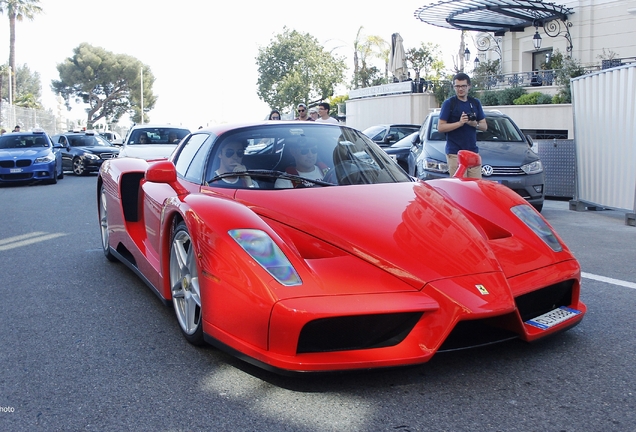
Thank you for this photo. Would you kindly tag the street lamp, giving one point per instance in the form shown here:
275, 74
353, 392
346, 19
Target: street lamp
476, 62
467, 54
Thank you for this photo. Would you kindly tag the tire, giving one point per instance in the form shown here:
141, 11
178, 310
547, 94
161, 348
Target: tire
184, 285
78, 167
103, 225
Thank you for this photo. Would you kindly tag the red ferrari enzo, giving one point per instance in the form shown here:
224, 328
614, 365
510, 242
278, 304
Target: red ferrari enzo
303, 247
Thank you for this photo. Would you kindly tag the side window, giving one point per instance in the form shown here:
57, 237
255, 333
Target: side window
191, 160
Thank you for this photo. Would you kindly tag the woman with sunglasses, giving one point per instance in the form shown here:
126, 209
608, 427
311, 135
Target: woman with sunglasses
305, 154
230, 160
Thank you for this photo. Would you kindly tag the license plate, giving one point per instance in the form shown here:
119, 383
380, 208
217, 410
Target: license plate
553, 317
15, 170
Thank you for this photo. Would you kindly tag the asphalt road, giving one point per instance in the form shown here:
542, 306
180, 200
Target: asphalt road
86, 346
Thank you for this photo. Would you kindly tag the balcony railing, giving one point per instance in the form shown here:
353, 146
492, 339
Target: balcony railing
540, 78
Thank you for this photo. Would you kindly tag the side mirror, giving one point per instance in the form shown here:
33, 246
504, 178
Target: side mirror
530, 141
389, 138
161, 172
416, 140
164, 171
466, 159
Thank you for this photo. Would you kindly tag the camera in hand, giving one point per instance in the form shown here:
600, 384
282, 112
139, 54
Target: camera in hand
472, 116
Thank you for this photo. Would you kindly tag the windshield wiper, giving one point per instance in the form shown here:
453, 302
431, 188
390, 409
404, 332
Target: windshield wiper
269, 174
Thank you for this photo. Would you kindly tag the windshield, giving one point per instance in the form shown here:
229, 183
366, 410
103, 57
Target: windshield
22, 141
375, 132
286, 156
87, 141
157, 135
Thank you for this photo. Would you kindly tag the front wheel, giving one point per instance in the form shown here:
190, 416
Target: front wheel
103, 224
184, 283
78, 167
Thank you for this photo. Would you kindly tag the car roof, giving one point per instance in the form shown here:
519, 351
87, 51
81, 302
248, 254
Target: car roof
152, 125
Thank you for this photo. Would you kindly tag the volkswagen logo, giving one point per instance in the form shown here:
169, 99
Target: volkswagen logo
486, 170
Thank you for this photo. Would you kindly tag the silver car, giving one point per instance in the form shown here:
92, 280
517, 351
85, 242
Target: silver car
507, 156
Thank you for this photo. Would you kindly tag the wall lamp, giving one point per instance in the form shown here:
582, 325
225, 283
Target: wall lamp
536, 39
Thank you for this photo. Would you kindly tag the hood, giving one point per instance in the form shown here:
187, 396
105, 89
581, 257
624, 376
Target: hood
398, 227
492, 153
148, 151
99, 149
27, 153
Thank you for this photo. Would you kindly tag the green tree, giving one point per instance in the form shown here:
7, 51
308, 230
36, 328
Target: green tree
485, 71
564, 68
426, 61
365, 49
295, 68
335, 101
109, 83
17, 10
28, 86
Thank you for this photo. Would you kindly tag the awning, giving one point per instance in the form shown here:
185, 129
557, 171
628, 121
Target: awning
493, 16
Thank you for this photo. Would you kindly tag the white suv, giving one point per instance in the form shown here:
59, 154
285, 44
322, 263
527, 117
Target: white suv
147, 141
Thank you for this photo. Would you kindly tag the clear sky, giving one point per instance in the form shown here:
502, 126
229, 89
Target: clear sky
202, 52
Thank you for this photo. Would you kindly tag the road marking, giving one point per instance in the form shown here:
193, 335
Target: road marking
20, 237
609, 280
27, 239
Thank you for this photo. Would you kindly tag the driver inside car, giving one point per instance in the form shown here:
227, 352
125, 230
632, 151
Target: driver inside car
230, 157
306, 164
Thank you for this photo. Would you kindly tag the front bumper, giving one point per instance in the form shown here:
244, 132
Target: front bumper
332, 333
35, 172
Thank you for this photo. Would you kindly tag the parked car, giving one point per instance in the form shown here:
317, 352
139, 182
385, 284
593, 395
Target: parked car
152, 141
405, 153
365, 268
84, 151
386, 134
113, 137
28, 156
507, 156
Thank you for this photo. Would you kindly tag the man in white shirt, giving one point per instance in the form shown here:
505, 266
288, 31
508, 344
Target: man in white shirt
305, 153
323, 113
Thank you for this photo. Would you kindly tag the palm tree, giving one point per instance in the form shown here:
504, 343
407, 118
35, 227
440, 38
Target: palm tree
17, 10
382, 50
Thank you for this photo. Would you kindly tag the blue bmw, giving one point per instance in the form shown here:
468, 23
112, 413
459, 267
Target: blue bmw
29, 156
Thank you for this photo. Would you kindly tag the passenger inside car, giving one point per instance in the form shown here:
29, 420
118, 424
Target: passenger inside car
306, 163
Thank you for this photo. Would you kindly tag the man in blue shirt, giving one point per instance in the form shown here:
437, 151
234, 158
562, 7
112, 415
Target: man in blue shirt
460, 118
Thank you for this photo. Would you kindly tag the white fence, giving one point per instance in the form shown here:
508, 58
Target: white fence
604, 109
11, 115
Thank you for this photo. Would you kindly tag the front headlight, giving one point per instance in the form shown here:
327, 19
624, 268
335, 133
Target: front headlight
435, 165
45, 159
261, 247
533, 167
535, 222
91, 156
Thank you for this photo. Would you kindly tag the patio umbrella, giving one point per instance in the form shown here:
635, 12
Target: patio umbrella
397, 59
